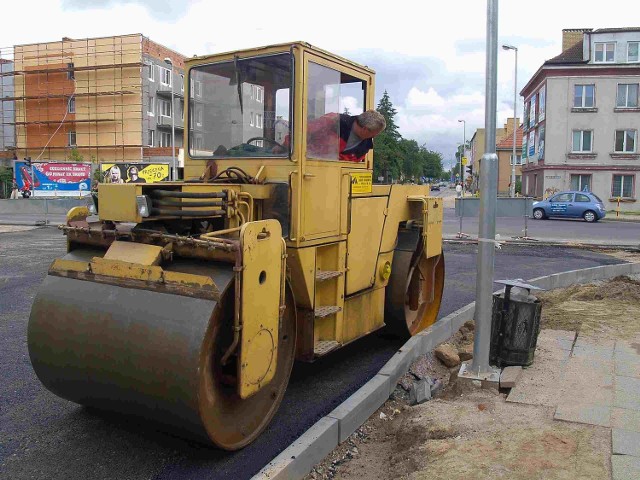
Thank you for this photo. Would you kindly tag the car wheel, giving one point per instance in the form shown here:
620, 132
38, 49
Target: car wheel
538, 214
589, 216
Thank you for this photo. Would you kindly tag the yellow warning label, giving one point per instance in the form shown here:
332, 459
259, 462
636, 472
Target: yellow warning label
361, 182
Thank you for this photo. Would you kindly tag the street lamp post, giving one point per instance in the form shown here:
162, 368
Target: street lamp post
512, 190
174, 170
464, 143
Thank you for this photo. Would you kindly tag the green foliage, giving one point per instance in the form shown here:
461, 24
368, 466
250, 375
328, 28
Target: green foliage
6, 182
399, 158
519, 187
75, 156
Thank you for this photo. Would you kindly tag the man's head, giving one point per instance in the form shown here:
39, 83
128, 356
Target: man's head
369, 124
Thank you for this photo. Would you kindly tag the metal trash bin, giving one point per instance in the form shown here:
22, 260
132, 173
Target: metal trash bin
515, 325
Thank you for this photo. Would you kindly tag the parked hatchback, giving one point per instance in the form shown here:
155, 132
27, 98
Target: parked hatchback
570, 205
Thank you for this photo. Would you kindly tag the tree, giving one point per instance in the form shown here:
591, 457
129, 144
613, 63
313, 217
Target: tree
75, 156
387, 153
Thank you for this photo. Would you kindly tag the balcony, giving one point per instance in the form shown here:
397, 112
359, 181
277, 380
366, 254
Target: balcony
165, 122
165, 90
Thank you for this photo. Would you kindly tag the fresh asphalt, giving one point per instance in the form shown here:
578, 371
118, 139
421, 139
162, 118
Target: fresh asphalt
44, 437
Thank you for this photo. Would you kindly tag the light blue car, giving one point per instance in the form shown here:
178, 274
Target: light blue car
570, 204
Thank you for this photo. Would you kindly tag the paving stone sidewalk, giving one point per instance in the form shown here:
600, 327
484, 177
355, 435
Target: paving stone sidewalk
591, 381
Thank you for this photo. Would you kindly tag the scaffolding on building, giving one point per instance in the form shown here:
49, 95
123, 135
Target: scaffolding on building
76, 100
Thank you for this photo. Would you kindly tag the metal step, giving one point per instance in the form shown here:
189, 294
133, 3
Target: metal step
324, 346
322, 312
322, 275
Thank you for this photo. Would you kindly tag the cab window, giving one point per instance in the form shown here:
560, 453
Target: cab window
330, 94
241, 108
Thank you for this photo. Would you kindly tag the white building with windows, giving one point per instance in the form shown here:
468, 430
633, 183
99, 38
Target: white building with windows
582, 117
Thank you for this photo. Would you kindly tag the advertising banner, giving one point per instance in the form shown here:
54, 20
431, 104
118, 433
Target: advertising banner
541, 143
51, 179
532, 143
542, 97
532, 111
134, 172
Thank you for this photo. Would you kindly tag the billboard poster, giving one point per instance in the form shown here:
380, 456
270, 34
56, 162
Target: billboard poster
532, 111
524, 147
525, 115
134, 172
541, 143
49, 179
542, 96
532, 143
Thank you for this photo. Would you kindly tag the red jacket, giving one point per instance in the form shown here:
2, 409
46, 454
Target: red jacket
329, 130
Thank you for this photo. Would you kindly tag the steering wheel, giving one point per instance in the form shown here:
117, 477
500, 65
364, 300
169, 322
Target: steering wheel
269, 140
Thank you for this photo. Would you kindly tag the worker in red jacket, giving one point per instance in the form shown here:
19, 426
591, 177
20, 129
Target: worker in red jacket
336, 136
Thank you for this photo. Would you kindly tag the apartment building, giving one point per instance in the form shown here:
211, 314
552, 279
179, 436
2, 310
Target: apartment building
477, 147
504, 150
582, 116
100, 99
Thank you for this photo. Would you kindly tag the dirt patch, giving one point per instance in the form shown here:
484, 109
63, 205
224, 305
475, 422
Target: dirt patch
602, 308
474, 436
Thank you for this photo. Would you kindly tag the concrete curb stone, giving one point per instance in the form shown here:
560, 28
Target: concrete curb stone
300, 457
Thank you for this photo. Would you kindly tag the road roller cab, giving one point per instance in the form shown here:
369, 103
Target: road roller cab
188, 301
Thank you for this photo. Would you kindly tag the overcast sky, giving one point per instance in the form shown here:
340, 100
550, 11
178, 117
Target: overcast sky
429, 56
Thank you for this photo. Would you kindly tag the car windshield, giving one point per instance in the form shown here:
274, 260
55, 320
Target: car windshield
241, 108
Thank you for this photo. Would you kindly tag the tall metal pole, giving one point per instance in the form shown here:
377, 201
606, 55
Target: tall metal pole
173, 131
488, 202
174, 170
464, 139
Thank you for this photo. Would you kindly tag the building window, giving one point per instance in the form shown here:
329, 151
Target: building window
152, 106
258, 120
259, 143
164, 108
627, 95
182, 110
632, 52
165, 76
182, 83
518, 159
257, 93
582, 140
625, 141
251, 120
198, 85
152, 72
71, 105
165, 139
199, 116
622, 186
584, 96
605, 52
70, 73
72, 139
198, 142
581, 183
152, 138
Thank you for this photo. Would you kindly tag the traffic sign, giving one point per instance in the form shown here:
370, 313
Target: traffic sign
464, 161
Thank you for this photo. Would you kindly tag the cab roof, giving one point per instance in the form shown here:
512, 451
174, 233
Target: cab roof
282, 47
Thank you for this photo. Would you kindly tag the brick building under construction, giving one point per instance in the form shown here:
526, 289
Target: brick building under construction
97, 99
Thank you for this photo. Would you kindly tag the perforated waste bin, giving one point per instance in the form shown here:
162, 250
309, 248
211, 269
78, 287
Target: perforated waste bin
515, 324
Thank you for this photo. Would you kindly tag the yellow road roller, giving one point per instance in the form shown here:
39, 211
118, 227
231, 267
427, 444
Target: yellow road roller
187, 302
